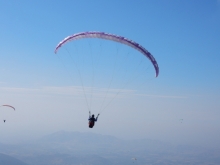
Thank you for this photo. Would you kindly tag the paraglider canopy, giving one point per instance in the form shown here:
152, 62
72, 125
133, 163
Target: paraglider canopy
9, 106
111, 37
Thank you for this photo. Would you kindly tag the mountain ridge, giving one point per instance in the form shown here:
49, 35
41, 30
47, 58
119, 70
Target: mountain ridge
9, 160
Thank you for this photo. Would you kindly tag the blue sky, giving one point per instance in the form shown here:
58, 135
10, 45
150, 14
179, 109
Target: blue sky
183, 36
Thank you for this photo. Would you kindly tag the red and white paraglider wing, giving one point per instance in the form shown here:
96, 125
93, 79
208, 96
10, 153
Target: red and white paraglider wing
111, 37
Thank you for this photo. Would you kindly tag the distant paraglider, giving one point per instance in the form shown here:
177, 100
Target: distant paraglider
134, 160
7, 106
